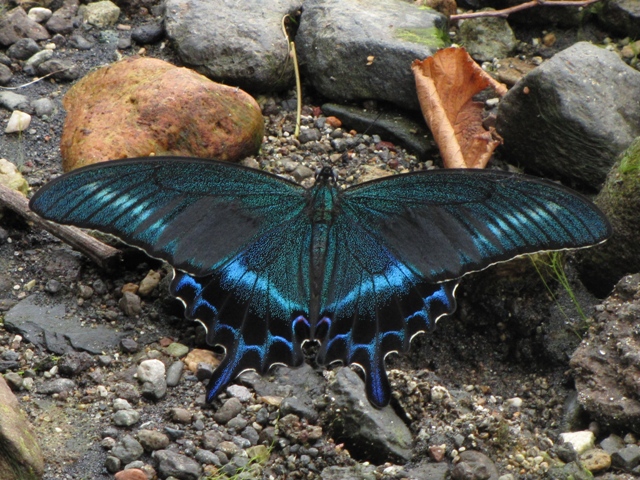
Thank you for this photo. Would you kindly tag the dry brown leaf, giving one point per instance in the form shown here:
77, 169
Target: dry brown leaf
446, 84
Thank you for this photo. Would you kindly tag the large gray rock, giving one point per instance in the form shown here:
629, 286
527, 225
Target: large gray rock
602, 266
363, 49
21, 456
236, 43
367, 431
606, 366
486, 38
568, 118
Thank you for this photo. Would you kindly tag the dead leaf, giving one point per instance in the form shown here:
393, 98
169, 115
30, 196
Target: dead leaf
446, 84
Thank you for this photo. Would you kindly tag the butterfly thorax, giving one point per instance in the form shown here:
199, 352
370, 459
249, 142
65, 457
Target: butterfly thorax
323, 209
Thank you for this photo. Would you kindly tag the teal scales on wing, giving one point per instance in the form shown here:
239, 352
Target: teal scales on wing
265, 264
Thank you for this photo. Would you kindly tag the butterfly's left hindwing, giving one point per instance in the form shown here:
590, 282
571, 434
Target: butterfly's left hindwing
256, 304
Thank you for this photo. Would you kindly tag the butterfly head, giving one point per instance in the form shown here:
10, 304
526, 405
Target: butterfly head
326, 175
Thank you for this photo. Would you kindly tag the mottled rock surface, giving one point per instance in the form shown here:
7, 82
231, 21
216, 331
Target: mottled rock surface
144, 106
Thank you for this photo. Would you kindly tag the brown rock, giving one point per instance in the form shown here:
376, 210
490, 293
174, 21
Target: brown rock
21, 455
596, 460
198, 355
144, 106
131, 474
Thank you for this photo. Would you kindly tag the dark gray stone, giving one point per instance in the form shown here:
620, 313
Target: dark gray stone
128, 449
298, 407
429, 470
81, 43
309, 135
58, 385
148, 33
60, 69
622, 17
474, 465
5, 74
208, 458
174, 373
395, 127
43, 107
23, 49
344, 60
13, 101
566, 119
486, 38
371, 432
626, 458
74, 363
176, 465
61, 21
229, 409
237, 43
47, 325
15, 24
612, 443
153, 440
130, 304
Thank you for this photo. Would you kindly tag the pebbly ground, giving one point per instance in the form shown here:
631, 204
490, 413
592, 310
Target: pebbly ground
486, 380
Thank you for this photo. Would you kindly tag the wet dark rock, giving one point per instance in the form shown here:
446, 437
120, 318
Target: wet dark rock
302, 382
148, 33
237, 423
251, 53
15, 24
127, 391
23, 49
430, 470
204, 371
606, 366
128, 449
568, 94
251, 434
395, 127
47, 325
113, 464
74, 363
212, 439
603, 265
334, 48
21, 455
367, 431
176, 465
229, 409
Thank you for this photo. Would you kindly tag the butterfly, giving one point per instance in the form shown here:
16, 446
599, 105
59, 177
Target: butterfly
266, 264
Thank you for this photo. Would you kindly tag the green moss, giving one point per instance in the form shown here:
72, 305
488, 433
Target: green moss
431, 37
630, 163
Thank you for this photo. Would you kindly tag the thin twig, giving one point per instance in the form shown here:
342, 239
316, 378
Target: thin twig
102, 254
294, 57
523, 6
34, 81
